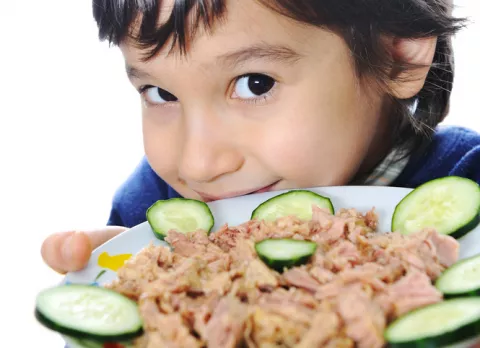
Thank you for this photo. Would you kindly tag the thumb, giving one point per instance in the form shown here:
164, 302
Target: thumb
70, 251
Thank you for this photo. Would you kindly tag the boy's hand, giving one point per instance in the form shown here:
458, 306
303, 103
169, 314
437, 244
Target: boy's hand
70, 251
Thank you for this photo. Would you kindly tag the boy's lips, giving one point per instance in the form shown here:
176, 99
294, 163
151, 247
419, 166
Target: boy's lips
209, 198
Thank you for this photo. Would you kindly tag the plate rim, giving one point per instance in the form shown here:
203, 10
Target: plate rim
276, 192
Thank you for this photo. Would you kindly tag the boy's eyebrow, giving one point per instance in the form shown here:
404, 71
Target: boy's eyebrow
261, 51
135, 73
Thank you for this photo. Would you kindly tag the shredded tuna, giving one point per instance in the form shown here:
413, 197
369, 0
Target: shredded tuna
225, 328
300, 278
410, 292
214, 291
325, 327
364, 319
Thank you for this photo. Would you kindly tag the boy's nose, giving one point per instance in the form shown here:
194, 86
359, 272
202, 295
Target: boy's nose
205, 158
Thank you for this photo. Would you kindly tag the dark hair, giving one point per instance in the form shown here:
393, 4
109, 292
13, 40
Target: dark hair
362, 24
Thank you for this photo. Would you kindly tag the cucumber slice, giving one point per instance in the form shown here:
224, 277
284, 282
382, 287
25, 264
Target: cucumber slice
179, 214
461, 279
285, 253
437, 325
451, 205
89, 312
298, 203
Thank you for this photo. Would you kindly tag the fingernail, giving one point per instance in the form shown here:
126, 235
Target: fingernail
67, 249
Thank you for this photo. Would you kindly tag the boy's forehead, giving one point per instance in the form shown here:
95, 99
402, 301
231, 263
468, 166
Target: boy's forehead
247, 26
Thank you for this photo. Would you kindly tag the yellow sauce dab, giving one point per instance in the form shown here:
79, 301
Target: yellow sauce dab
112, 262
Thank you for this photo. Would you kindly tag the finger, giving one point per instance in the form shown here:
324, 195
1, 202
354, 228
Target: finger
67, 252
50, 253
70, 251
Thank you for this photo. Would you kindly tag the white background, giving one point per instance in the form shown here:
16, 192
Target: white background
70, 134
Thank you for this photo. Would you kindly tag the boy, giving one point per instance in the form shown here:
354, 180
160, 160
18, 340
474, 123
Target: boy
251, 96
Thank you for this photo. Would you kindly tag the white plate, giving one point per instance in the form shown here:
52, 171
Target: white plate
234, 211
105, 259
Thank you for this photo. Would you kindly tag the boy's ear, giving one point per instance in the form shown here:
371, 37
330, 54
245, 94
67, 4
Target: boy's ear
415, 57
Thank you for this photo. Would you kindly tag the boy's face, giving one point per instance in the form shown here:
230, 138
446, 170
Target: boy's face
262, 103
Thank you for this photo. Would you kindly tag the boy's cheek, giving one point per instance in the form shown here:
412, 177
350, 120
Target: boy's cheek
163, 158
161, 151
304, 162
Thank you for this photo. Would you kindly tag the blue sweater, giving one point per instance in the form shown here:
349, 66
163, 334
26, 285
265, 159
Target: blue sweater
453, 151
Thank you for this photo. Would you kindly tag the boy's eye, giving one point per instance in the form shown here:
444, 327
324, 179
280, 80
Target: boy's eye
253, 86
156, 95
